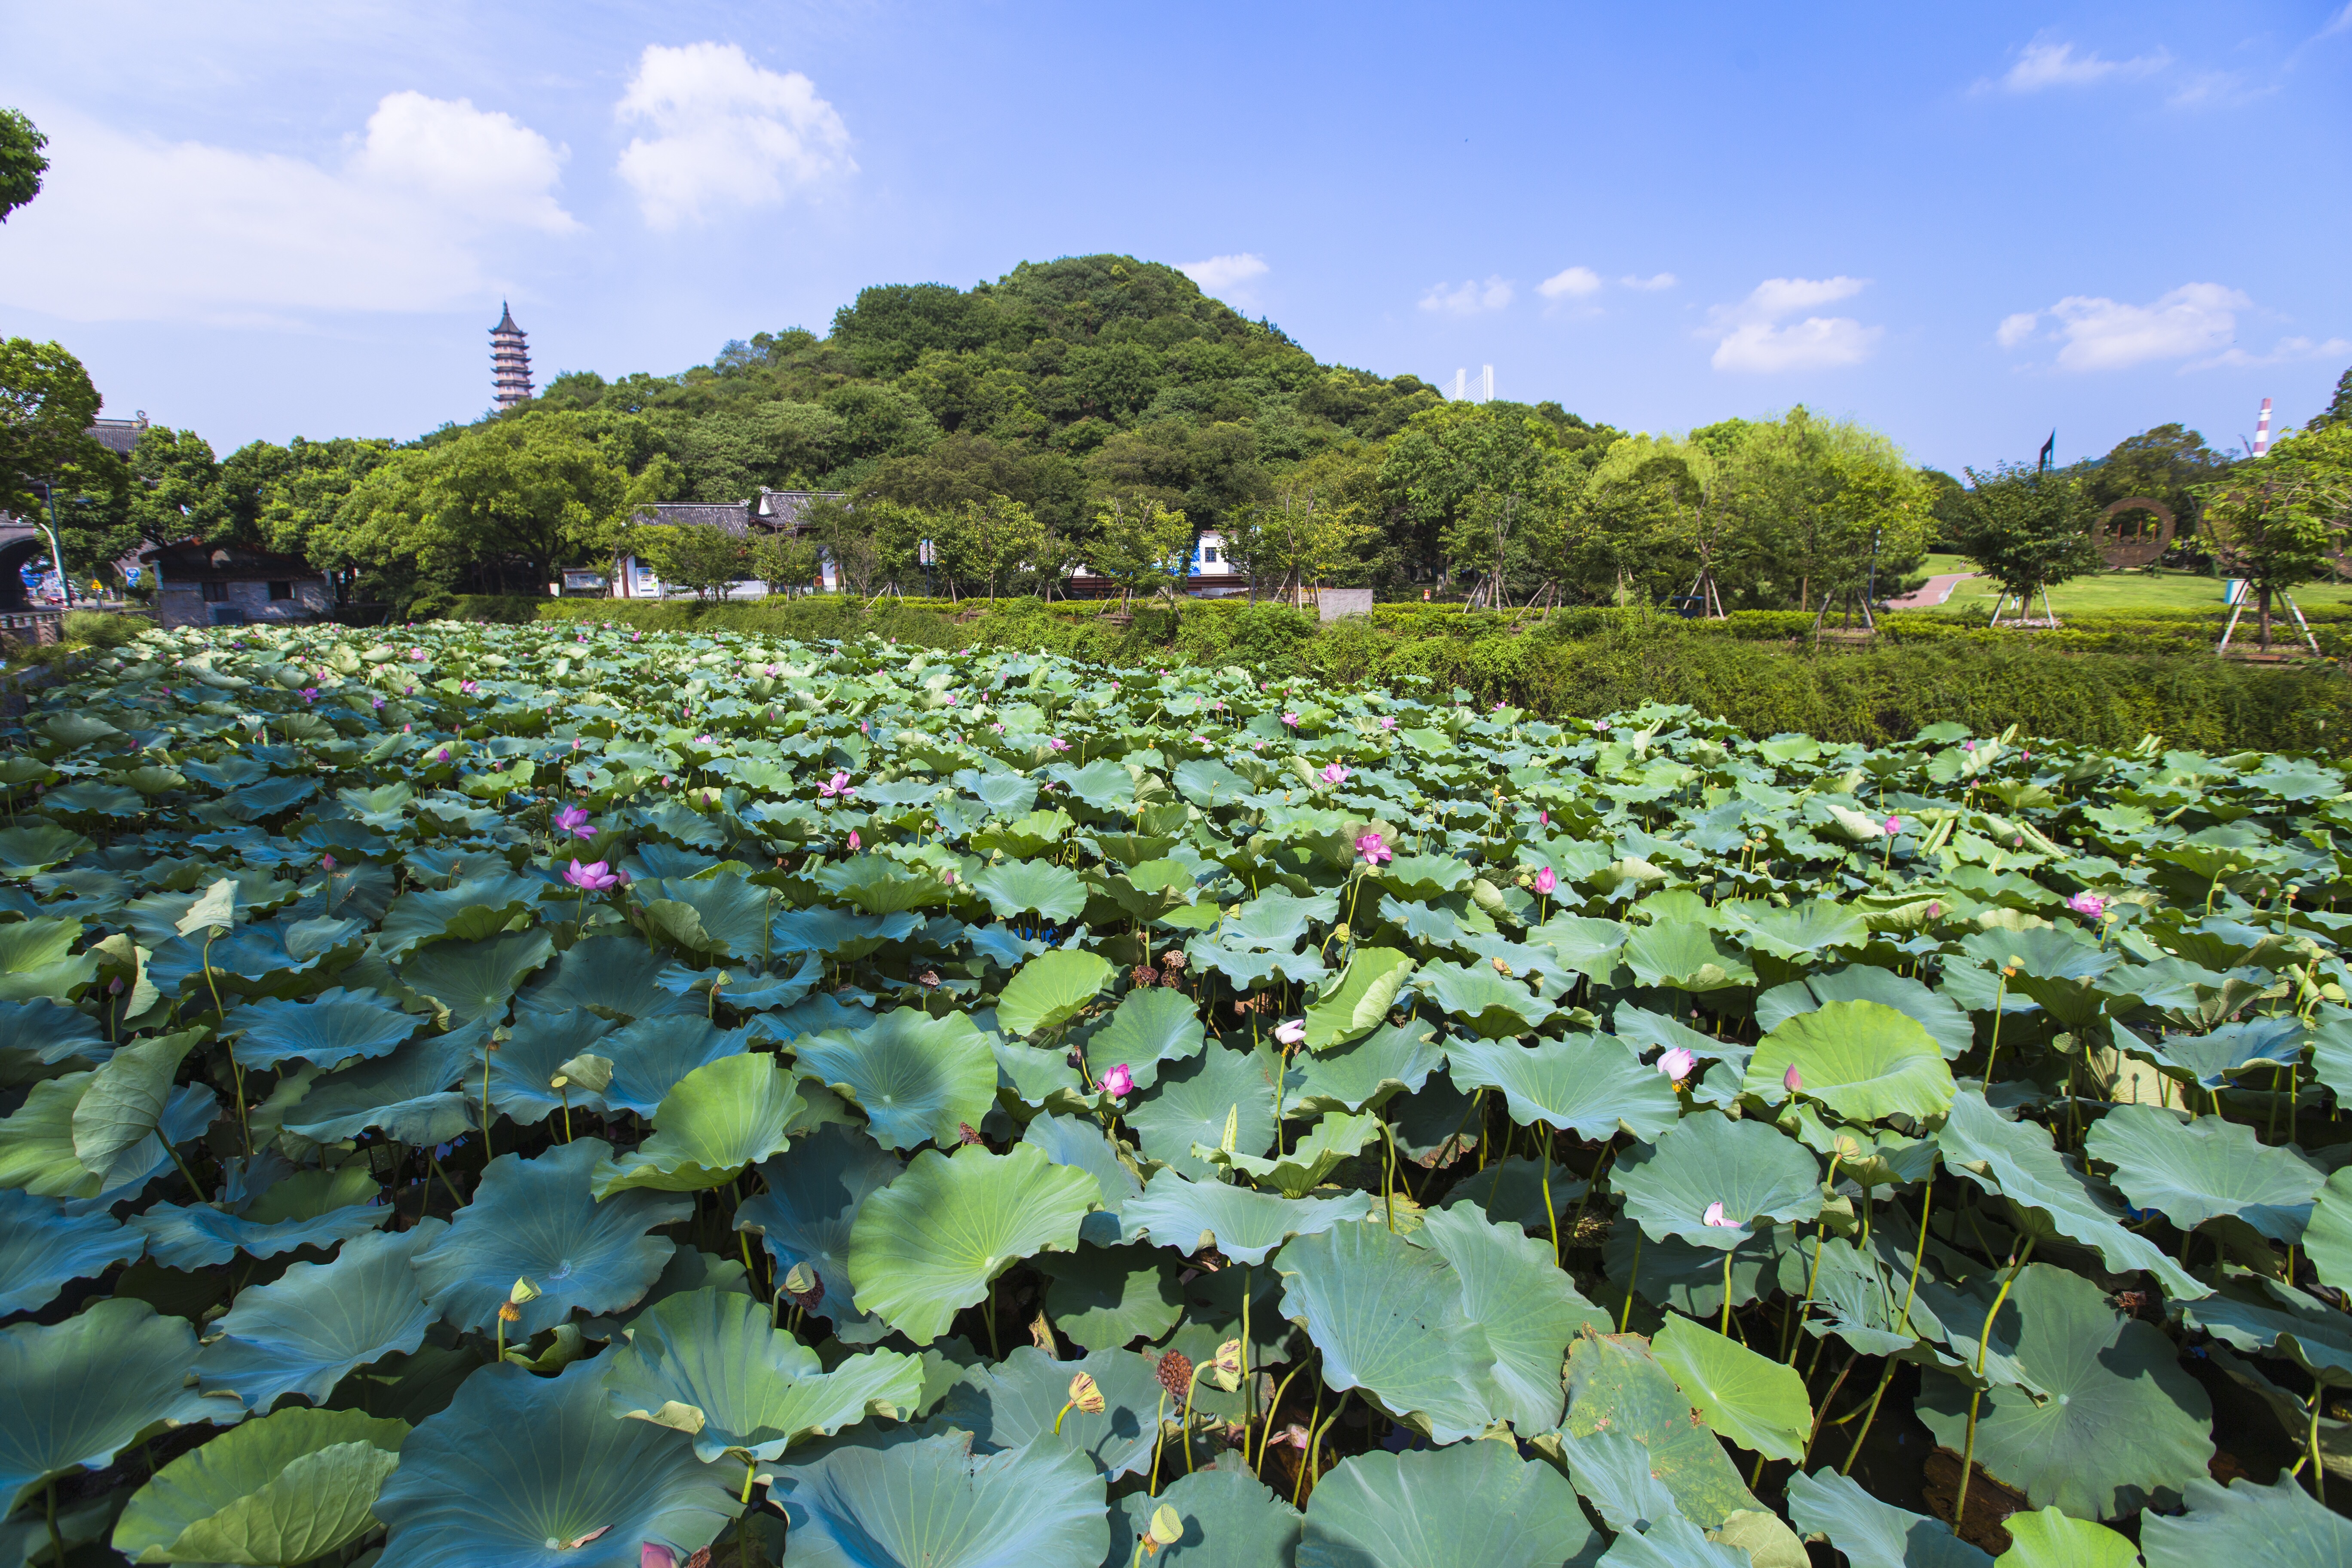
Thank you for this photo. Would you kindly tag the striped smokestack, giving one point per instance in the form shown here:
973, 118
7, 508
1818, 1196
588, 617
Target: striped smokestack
2263, 430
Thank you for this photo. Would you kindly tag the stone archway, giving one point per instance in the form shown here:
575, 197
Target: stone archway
2144, 546
14, 553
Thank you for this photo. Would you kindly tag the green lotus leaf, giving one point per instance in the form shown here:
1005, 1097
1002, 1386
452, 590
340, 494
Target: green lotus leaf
1754, 1401
38, 961
1395, 1058
1645, 1030
712, 1365
202, 1237
1151, 1026
1425, 876
316, 1324
477, 979
1247, 970
332, 1028
47, 1034
1389, 1318
1586, 944
2212, 1060
726, 916
74, 1394
1684, 955
1359, 1000
1276, 921
31, 848
42, 1247
1873, 1158
2204, 1169
536, 1219
279, 1491
1016, 1403
732, 1113
2016, 1159
519, 1460
525, 1061
1490, 1005
1512, 1192
933, 1501
1612, 1472
809, 1196
1475, 1505
1748, 1167
1300, 1169
2279, 1526
74, 730
1019, 887
2047, 1538
2046, 952
1585, 1082
1243, 1225
1192, 1102
92, 798
2259, 1314
36, 1144
2120, 1421
125, 1102
1524, 1304
926, 1247
1231, 1519
1800, 932
408, 1094
650, 1057
1874, 1535
1107, 1298
2327, 1241
1674, 1542
1616, 1384
611, 976
476, 908
1050, 990
1862, 1059
1939, 1016
916, 1077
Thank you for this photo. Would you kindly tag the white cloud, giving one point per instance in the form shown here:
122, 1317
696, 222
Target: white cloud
2099, 333
727, 132
1756, 334
1654, 282
133, 228
2043, 64
2343, 24
1220, 273
2287, 351
1468, 299
1574, 283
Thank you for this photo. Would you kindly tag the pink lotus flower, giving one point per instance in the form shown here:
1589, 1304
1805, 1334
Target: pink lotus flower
2090, 906
467, 688
326, 862
1387, 721
593, 878
836, 788
1057, 743
417, 656
853, 841
1676, 1064
1291, 1032
573, 821
1291, 720
441, 755
378, 702
1546, 880
1968, 745
1334, 773
1119, 1082
1894, 827
1716, 1217
1370, 847
1934, 910
948, 878
1792, 1080
1544, 817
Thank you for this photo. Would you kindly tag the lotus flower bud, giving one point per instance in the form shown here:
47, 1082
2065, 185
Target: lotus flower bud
1167, 1528
1676, 1063
1086, 1396
1291, 1032
523, 1290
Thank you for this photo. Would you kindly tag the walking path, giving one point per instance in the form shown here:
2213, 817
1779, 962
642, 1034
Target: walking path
1933, 592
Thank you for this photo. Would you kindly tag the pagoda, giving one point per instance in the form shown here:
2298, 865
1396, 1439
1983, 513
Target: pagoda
510, 360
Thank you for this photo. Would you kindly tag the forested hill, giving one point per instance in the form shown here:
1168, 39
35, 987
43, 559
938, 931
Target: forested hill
1059, 379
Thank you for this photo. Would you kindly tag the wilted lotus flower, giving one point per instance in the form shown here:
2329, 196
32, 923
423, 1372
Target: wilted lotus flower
594, 877
1546, 880
1716, 1216
1334, 773
1291, 1032
1370, 847
2090, 906
1227, 1367
1086, 1395
1119, 1082
653, 1555
1792, 1080
1676, 1063
573, 821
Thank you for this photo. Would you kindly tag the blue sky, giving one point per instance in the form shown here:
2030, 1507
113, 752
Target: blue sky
1963, 226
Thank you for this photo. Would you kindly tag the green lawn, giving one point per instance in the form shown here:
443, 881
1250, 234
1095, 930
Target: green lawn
2166, 590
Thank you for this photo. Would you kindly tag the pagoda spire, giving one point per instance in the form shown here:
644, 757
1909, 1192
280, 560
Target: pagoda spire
509, 359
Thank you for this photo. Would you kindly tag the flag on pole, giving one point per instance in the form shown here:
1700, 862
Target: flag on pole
2049, 448
2263, 430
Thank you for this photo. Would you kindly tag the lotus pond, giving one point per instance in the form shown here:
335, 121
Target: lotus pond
537, 1095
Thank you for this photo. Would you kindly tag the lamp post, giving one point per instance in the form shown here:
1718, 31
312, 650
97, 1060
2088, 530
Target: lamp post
57, 556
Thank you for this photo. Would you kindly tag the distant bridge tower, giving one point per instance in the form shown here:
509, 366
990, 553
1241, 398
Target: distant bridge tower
1479, 391
510, 360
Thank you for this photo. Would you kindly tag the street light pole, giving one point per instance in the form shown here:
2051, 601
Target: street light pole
57, 556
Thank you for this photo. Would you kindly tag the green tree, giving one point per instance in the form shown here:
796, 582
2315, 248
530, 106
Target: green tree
786, 562
846, 536
1301, 537
1824, 505
1674, 497
1141, 546
178, 493
992, 543
1449, 456
2279, 520
2338, 412
2027, 529
22, 164
46, 404
704, 557
2164, 465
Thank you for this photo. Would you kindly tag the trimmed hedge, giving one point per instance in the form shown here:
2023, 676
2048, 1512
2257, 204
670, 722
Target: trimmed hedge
1747, 669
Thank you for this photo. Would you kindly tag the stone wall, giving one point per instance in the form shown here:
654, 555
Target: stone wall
184, 604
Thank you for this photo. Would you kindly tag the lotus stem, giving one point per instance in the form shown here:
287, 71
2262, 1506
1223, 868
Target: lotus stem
1249, 1384
1855, 1452
1822, 1414
1158, 1438
1625, 1318
748, 1549
1550, 1213
993, 1353
194, 1186
1976, 1395
1185, 1425
1314, 1453
456, 1203
2000, 995
1608, 1153
1725, 1330
1388, 1186
57, 1540
1920, 1254
1791, 1344
2318, 1469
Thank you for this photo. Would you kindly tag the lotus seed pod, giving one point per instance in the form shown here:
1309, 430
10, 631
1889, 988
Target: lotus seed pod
1176, 1374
